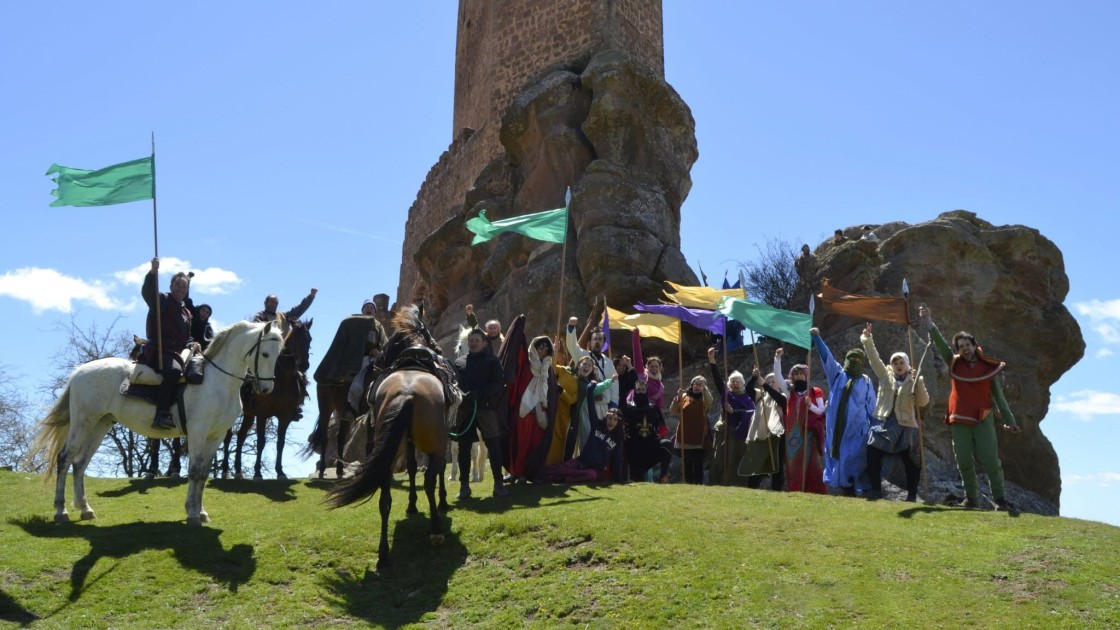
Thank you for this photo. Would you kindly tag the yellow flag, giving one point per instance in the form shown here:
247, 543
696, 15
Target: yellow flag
648, 324
700, 297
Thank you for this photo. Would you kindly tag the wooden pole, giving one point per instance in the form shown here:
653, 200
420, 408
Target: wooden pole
155, 239
727, 433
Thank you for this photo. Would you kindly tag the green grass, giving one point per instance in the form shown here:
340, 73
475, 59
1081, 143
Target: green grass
643, 556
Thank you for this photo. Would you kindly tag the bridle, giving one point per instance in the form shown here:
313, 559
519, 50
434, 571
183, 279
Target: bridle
252, 376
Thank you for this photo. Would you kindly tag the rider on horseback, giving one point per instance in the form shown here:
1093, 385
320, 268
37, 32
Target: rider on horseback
175, 326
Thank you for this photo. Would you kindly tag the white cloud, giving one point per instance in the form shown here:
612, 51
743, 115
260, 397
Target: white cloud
1087, 403
1103, 479
49, 290
1098, 310
209, 281
1108, 331
1102, 353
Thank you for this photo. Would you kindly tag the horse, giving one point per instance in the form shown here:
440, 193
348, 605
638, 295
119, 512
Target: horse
411, 415
283, 403
91, 402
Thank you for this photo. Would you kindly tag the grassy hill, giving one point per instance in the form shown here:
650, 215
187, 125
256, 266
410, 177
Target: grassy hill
642, 555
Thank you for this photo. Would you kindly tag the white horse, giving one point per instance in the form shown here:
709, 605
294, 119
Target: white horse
91, 402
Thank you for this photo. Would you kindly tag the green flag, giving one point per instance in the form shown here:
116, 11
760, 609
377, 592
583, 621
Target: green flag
550, 225
119, 183
766, 320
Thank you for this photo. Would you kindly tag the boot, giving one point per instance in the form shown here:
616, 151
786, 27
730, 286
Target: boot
1003, 505
500, 489
163, 420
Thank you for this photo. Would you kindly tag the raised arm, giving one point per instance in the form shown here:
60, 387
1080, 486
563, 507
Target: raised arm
572, 344
832, 369
150, 289
783, 387
298, 310
639, 361
716, 376
939, 342
882, 372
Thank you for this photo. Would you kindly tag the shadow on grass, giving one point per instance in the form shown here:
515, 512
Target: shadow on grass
926, 509
279, 490
195, 548
414, 584
523, 496
11, 611
141, 486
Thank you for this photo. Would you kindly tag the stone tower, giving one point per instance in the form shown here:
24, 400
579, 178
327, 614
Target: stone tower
508, 53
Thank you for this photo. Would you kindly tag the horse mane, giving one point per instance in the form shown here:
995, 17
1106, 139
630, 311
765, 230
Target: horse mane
411, 331
222, 337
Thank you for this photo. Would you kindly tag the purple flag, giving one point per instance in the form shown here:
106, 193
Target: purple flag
704, 320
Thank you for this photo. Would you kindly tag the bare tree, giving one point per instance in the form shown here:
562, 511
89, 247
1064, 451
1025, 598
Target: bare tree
16, 425
128, 452
772, 278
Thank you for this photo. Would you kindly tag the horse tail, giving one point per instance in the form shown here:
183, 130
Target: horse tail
53, 431
379, 465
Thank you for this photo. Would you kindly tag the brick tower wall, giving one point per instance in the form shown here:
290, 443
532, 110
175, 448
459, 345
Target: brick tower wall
501, 46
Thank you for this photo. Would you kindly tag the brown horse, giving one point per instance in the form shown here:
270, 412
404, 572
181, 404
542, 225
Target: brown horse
410, 414
283, 403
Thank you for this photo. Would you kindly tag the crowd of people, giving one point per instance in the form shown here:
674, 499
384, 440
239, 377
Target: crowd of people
580, 416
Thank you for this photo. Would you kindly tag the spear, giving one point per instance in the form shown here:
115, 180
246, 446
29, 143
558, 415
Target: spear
914, 389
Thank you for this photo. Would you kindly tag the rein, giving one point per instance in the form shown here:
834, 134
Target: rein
256, 380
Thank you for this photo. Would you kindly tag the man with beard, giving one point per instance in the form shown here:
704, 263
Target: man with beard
975, 392
851, 405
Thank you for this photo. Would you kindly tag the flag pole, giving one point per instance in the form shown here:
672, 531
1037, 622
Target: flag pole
727, 433
155, 239
754, 346
805, 403
563, 261
913, 390
680, 416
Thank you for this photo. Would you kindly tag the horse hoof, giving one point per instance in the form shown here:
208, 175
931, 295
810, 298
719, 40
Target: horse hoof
435, 540
238, 476
443, 507
194, 521
204, 517
412, 511
149, 476
258, 478
281, 476
62, 518
88, 515
173, 475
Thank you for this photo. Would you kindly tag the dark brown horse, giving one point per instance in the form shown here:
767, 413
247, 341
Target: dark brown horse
283, 403
410, 415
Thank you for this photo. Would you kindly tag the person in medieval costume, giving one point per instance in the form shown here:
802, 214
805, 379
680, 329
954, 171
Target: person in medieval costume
532, 405
604, 366
271, 308
560, 447
975, 397
175, 326
765, 452
693, 439
851, 406
804, 433
901, 393
644, 427
738, 402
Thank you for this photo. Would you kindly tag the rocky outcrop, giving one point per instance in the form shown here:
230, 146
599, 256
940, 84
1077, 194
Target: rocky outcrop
1005, 285
623, 141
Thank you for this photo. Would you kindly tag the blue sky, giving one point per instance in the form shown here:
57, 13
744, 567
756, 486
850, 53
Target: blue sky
292, 138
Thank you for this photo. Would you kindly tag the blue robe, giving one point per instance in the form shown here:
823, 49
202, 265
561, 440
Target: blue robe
851, 468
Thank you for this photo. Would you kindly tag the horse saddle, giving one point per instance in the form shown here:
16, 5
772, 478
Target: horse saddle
145, 375
426, 360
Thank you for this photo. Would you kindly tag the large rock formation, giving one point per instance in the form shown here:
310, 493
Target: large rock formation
1003, 284
623, 140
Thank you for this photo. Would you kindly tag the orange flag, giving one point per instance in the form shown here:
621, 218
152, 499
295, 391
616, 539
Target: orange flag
864, 306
